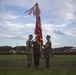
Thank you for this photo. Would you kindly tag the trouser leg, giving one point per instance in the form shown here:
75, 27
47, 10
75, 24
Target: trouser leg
29, 60
36, 59
47, 61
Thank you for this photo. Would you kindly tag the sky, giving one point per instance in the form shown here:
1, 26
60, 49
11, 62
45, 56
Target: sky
58, 19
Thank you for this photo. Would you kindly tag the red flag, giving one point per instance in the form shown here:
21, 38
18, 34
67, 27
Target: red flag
38, 30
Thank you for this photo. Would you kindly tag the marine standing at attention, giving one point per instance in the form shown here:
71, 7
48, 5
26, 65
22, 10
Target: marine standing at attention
29, 51
47, 51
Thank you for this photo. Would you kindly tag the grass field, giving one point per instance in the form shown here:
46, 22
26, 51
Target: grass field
16, 65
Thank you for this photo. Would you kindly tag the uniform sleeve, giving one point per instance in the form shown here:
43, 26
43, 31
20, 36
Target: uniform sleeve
47, 45
27, 44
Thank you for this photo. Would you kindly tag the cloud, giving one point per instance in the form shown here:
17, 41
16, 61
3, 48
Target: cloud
8, 16
6, 35
52, 27
10, 36
58, 11
17, 26
72, 33
69, 33
55, 44
19, 38
16, 29
59, 32
13, 30
18, 3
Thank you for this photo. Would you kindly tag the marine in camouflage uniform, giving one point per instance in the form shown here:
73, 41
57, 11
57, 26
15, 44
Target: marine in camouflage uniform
36, 53
47, 51
29, 51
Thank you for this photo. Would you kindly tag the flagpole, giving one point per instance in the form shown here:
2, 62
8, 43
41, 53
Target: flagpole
38, 30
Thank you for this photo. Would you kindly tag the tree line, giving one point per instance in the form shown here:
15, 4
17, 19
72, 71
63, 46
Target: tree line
22, 50
8, 48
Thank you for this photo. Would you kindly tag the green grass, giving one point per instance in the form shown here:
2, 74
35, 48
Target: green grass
16, 65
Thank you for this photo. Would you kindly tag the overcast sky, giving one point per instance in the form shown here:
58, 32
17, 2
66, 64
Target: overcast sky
58, 19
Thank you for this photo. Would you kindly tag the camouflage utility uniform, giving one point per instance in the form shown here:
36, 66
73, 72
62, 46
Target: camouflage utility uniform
47, 54
29, 51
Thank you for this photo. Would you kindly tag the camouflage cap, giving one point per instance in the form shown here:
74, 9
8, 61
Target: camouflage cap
31, 35
48, 36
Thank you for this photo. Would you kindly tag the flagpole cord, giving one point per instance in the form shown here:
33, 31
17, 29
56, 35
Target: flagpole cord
31, 8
